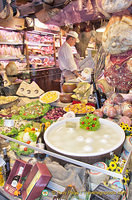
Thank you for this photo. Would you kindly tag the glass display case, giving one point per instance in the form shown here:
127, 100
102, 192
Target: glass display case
12, 48
40, 49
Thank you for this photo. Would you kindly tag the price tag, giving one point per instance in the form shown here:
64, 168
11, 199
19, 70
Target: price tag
2, 162
8, 122
70, 124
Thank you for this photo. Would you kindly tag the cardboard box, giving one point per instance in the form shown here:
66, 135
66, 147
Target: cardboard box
36, 182
18, 163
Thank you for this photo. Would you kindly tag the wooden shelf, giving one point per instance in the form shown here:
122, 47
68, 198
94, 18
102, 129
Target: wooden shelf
10, 43
4, 58
39, 44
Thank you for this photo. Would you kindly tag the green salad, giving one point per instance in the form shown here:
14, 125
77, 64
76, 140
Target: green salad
34, 110
16, 147
15, 131
27, 134
1, 122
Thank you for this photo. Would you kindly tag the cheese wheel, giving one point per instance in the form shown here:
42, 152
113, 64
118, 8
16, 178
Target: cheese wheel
128, 143
98, 177
124, 154
29, 90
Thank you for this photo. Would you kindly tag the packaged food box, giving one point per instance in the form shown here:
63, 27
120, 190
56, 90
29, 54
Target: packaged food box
36, 181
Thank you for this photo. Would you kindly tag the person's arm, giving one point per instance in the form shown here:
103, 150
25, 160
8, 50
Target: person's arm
76, 73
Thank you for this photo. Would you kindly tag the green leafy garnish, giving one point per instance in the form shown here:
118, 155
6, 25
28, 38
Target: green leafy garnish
1, 122
12, 133
15, 147
33, 136
90, 122
16, 117
43, 120
22, 128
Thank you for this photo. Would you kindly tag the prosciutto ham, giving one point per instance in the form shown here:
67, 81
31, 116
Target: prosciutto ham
108, 7
117, 37
118, 70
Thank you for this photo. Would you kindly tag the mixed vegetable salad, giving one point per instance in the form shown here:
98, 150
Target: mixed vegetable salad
22, 131
26, 131
34, 110
28, 135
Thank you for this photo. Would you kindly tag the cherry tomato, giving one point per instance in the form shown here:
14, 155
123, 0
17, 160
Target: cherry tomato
28, 142
25, 148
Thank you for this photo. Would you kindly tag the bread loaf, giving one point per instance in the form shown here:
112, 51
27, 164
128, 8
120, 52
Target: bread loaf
117, 37
115, 5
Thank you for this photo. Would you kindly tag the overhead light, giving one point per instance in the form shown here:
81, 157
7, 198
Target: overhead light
101, 29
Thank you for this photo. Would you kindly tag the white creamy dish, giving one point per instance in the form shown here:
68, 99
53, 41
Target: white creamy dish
77, 141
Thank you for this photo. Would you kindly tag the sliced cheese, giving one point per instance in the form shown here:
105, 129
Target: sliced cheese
29, 90
98, 177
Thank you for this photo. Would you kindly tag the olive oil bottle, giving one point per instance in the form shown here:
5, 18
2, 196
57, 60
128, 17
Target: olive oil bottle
7, 163
40, 143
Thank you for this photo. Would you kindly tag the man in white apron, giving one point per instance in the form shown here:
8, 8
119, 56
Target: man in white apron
67, 63
66, 60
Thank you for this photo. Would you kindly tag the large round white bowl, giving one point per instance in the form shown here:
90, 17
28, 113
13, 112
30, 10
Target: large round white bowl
86, 157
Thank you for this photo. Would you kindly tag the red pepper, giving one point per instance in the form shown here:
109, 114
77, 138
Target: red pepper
82, 122
87, 128
91, 104
88, 122
25, 148
95, 119
76, 102
93, 125
33, 129
87, 117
